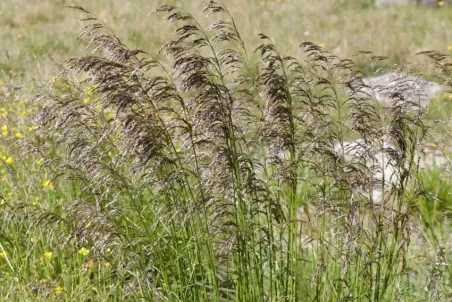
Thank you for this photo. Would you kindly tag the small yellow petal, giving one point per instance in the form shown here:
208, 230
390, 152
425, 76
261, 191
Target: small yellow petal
9, 160
58, 290
83, 251
48, 256
47, 184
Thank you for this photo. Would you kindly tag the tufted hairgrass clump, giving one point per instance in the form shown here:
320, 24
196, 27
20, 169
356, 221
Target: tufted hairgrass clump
212, 172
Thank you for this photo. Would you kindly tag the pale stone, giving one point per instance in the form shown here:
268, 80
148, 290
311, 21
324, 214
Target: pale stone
385, 3
412, 88
378, 160
382, 3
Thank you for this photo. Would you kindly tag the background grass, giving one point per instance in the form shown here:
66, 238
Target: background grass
52, 250
37, 33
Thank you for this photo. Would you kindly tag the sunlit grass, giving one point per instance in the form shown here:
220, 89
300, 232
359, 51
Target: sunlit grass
68, 234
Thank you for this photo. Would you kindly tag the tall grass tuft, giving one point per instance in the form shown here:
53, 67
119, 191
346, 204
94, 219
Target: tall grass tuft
209, 172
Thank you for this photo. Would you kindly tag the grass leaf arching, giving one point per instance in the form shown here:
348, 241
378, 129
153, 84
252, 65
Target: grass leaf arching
206, 171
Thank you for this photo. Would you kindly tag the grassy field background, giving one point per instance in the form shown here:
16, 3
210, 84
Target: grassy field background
36, 33
76, 241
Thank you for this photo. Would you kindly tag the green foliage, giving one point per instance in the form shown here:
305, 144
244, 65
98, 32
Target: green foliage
209, 172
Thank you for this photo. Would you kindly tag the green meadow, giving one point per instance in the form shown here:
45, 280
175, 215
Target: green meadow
191, 151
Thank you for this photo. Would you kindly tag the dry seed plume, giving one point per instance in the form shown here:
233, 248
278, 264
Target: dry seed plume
221, 153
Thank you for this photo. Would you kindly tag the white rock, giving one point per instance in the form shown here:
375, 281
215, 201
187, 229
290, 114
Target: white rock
385, 3
412, 88
377, 159
433, 157
382, 3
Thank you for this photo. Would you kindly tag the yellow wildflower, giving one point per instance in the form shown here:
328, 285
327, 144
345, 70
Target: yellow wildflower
47, 184
5, 131
440, 3
58, 290
30, 128
48, 256
2, 201
19, 135
4, 112
107, 264
9, 160
449, 47
83, 251
86, 100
